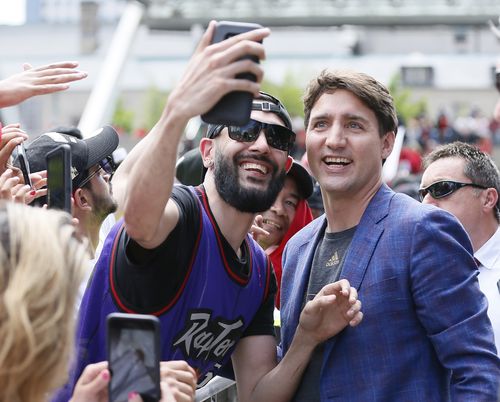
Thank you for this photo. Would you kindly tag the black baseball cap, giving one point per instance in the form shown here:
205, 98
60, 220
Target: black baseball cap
189, 168
85, 153
302, 178
264, 102
189, 171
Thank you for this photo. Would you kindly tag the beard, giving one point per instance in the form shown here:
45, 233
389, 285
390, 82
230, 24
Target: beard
103, 204
245, 199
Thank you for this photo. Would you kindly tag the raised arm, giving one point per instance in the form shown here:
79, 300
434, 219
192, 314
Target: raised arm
259, 376
38, 81
143, 184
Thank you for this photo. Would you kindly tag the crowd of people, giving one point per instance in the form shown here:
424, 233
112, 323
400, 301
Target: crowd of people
378, 293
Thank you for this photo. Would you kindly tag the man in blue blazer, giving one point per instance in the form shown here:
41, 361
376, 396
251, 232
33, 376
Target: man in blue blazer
425, 335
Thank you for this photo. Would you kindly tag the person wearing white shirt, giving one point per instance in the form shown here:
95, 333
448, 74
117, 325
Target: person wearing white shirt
465, 181
488, 257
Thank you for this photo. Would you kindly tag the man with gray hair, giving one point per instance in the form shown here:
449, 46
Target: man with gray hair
463, 180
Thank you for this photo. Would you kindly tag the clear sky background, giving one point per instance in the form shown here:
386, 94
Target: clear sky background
12, 12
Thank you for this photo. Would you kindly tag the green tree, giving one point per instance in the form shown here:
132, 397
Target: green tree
153, 107
290, 93
123, 118
405, 106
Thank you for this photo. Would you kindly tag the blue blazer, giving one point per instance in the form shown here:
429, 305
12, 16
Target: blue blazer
425, 335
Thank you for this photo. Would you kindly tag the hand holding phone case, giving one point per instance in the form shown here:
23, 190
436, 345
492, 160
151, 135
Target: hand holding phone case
235, 107
133, 347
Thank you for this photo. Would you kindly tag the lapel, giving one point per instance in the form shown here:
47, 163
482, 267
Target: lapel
367, 235
363, 244
301, 271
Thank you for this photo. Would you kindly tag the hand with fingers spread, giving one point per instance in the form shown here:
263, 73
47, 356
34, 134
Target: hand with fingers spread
332, 309
92, 385
38, 81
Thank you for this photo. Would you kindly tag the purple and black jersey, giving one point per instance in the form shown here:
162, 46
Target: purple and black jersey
204, 319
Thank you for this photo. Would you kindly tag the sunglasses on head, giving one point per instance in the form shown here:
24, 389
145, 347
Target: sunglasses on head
444, 188
277, 136
107, 165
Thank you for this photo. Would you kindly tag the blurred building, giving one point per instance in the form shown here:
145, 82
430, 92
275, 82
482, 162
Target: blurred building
68, 11
443, 50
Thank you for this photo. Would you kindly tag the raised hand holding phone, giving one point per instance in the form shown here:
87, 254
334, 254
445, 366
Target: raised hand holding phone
235, 107
211, 72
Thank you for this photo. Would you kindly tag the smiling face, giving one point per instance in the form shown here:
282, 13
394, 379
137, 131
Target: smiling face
249, 175
277, 219
344, 146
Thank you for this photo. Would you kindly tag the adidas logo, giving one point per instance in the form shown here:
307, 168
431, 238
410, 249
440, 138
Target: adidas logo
334, 260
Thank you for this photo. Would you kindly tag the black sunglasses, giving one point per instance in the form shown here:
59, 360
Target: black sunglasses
444, 188
277, 136
497, 80
107, 164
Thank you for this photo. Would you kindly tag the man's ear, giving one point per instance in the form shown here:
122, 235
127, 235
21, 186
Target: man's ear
81, 199
388, 144
207, 150
491, 198
289, 163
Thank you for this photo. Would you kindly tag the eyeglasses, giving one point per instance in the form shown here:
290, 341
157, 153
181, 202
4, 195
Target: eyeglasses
497, 80
107, 164
277, 136
444, 188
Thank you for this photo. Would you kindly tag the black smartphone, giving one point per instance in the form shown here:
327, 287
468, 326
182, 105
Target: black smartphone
59, 178
24, 164
235, 107
133, 347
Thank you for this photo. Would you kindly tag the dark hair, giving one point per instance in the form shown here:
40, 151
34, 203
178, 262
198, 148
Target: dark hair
371, 92
268, 103
479, 167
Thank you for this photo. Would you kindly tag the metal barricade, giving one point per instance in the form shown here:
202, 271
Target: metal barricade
219, 389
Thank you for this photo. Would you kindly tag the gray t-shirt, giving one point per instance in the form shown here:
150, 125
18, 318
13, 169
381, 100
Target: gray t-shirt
326, 268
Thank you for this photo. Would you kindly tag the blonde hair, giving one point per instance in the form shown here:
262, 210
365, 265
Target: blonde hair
41, 267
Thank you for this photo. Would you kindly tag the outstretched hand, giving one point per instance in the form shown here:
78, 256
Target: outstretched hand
334, 307
38, 81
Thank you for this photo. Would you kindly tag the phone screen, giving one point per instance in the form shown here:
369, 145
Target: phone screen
133, 360
59, 179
